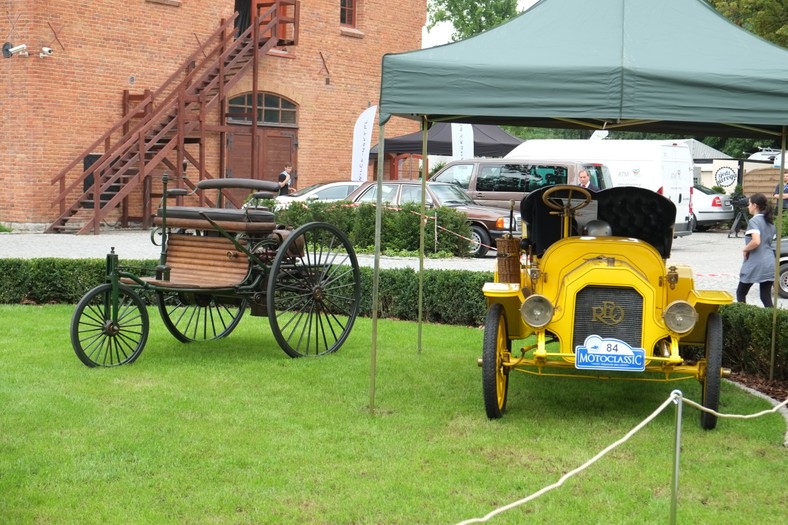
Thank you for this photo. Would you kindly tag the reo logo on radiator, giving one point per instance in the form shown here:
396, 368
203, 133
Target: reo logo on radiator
607, 353
609, 313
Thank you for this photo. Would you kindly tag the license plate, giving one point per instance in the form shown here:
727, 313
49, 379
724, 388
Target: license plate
601, 353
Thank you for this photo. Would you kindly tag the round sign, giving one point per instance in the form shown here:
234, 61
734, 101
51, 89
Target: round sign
725, 176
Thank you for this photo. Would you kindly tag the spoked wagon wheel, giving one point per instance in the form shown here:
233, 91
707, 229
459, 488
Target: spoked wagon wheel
108, 332
314, 291
495, 376
199, 316
710, 384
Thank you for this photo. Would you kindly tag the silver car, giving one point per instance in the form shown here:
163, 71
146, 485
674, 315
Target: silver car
324, 192
709, 208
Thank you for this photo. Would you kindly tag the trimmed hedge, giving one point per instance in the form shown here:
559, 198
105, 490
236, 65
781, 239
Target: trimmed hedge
47, 281
399, 228
450, 297
747, 342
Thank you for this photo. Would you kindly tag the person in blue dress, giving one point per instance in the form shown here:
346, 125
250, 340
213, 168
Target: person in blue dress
758, 265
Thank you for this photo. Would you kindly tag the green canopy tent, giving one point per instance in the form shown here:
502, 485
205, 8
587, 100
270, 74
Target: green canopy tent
674, 66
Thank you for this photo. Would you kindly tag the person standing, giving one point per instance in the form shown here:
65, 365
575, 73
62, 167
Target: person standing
585, 181
758, 265
284, 180
785, 192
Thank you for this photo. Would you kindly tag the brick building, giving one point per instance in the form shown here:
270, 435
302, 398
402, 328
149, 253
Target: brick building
107, 57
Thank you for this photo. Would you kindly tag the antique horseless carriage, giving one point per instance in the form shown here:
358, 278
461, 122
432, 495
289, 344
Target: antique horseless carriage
215, 264
594, 297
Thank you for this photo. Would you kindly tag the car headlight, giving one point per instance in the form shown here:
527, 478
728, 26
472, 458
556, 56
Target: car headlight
503, 223
680, 317
536, 311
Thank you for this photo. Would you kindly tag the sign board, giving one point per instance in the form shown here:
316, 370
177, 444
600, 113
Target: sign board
362, 138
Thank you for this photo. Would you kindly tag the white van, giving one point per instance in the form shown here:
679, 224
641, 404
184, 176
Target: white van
664, 166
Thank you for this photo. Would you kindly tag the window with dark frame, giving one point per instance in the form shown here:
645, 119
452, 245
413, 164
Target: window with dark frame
272, 110
347, 13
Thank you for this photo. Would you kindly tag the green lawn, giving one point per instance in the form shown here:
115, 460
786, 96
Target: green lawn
235, 432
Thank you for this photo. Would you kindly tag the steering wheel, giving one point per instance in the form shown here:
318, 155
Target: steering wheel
552, 201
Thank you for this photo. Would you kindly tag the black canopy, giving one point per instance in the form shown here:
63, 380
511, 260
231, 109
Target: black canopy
488, 141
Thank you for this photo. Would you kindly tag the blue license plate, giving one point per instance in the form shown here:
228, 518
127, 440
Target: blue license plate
600, 353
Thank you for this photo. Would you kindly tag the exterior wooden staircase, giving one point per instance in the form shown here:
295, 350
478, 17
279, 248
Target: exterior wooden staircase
154, 134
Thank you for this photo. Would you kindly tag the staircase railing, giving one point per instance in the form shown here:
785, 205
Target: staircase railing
163, 128
188, 64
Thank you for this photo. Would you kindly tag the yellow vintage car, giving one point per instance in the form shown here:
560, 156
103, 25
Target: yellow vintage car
588, 292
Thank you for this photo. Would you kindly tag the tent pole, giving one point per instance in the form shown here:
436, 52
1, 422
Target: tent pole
779, 224
422, 216
376, 272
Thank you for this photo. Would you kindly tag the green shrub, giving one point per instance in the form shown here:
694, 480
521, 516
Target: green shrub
399, 229
436, 168
450, 296
362, 235
51, 280
747, 336
339, 214
453, 231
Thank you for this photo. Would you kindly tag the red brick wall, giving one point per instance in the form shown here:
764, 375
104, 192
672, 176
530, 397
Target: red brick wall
53, 108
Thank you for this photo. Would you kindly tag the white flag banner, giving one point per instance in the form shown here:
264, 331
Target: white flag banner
362, 137
461, 141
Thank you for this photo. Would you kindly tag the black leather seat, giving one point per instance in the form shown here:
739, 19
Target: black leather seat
630, 211
218, 214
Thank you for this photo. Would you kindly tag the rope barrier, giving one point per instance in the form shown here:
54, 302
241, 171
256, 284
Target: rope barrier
425, 218
772, 410
675, 396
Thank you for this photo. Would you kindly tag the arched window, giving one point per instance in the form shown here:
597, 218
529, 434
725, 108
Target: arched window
272, 110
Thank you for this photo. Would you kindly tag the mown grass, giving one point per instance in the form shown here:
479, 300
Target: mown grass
235, 432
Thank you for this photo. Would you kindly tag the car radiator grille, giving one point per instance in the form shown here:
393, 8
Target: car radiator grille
608, 311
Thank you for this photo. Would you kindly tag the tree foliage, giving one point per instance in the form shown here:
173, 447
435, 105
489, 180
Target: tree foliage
470, 17
766, 18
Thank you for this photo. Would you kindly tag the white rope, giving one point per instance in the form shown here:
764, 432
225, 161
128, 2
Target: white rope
772, 410
779, 407
609, 448
579, 469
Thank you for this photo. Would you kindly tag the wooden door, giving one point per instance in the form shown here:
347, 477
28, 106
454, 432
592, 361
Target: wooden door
274, 147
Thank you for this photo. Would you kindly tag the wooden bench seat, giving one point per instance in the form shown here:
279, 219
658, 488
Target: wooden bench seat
202, 262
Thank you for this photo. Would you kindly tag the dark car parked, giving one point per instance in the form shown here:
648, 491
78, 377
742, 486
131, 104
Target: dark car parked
487, 223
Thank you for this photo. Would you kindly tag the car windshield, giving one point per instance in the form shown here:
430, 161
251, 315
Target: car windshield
306, 190
450, 195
